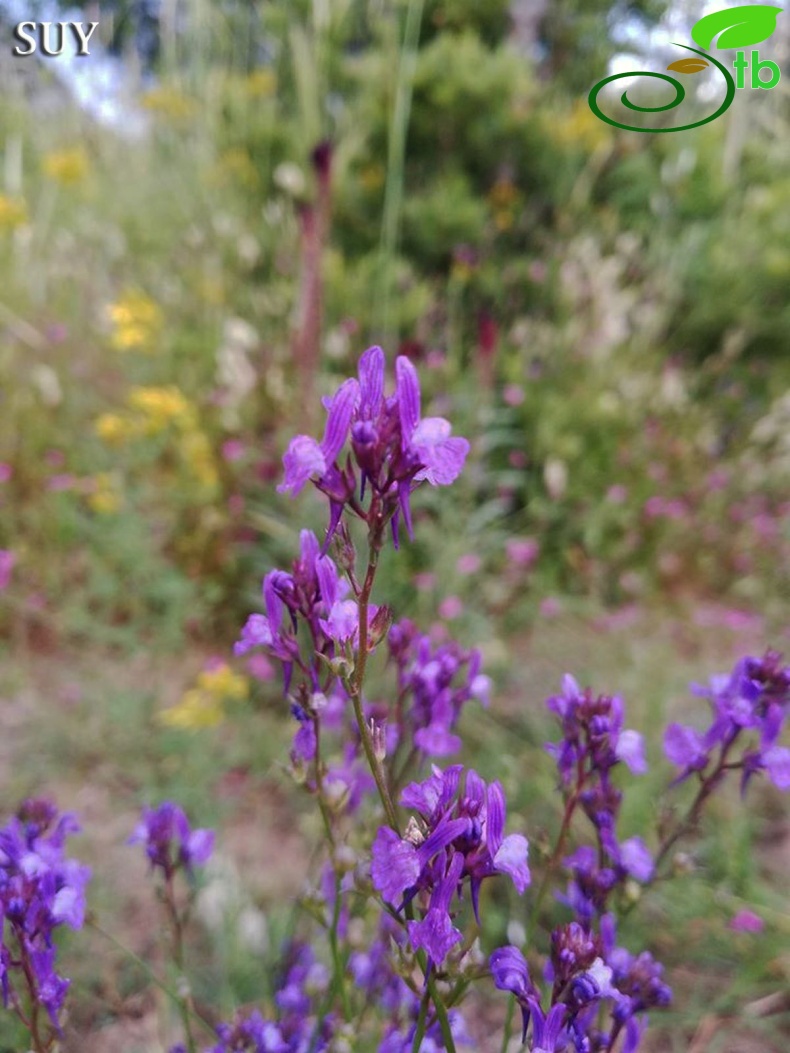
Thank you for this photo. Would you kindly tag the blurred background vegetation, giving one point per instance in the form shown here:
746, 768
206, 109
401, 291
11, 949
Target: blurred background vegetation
275, 186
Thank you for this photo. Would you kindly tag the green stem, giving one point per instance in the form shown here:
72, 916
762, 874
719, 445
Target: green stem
146, 968
358, 680
511, 1009
422, 1021
177, 927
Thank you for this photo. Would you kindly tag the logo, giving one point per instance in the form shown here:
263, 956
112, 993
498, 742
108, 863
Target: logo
738, 27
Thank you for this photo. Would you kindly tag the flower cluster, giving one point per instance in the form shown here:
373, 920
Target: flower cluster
587, 972
296, 1029
434, 683
393, 448
170, 842
40, 889
457, 833
754, 699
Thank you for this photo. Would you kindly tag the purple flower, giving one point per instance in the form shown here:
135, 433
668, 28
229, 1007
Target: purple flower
683, 747
436, 933
548, 1032
170, 842
40, 889
440, 457
510, 973
465, 827
391, 446
305, 457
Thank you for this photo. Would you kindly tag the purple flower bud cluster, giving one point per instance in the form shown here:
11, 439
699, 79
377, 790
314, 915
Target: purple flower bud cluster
314, 595
456, 834
392, 447
296, 1030
434, 684
594, 742
40, 889
170, 842
748, 707
588, 973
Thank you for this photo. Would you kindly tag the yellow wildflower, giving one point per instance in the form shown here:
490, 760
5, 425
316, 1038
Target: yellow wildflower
160, 407
67, 167
196, 451
169, 103
202, 706
137, 322
104, 498
197, 709
261, 83
238, 165
220, 680
112, 428
579, 128
13, 212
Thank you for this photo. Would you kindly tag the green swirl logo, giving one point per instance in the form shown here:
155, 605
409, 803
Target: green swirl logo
738, 27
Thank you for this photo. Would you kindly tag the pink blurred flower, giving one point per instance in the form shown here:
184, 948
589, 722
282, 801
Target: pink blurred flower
233, 450
55, 458
550, 607
425, 581
235, 504
718, 479
469, 563
7, 561
6, 471
517, 459
435, 358
260, 667
513, 395
451, 607
747, 921
522, 551
616, 494
62, 481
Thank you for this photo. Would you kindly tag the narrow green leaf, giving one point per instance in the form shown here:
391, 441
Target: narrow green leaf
738, 27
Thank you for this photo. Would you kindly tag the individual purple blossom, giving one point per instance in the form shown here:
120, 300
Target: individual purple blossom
305, 458
170, 842
510, 973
